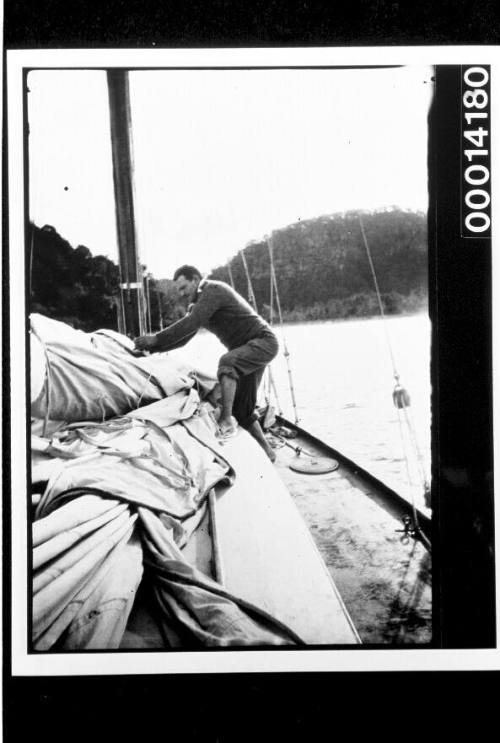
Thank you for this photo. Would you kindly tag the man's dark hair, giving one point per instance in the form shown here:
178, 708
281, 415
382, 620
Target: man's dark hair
189, 272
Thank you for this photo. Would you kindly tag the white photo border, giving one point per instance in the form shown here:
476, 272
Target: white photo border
227, 661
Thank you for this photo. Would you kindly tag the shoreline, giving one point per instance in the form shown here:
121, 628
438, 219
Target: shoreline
413, 313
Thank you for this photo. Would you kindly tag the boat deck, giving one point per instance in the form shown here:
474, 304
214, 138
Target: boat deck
255, 541
267, 553
317, 551
384, 578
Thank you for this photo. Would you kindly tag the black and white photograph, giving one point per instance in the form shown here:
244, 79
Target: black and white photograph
235, 280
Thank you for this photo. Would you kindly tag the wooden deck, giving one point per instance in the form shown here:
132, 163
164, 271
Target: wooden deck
254, 540
268, 555
385, 578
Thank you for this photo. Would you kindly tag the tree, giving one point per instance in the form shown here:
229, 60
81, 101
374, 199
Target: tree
323, 270
70, 284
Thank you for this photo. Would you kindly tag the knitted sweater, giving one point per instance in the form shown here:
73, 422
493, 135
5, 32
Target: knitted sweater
222, 311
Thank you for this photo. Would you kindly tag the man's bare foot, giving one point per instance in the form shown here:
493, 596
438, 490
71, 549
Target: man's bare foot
227, 427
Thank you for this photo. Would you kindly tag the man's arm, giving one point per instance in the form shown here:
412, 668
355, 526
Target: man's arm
180, 332
175, 336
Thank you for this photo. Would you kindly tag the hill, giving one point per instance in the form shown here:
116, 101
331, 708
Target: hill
321, 265
323, 271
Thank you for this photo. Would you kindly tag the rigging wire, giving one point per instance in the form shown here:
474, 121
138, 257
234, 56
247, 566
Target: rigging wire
420, 460
251, 295
272, 388
379, 298
253, 302
286, 352
271, 322
231, 280
400, 396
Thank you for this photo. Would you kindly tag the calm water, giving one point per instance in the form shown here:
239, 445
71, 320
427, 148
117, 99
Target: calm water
343, 379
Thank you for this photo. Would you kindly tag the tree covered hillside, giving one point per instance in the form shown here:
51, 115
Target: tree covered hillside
72, 285
323, 271
321, 266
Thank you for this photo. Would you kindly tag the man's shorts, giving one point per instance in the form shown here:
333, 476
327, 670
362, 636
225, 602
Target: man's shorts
246, 364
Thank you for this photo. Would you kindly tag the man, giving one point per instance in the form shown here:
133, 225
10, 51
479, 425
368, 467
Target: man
251, 345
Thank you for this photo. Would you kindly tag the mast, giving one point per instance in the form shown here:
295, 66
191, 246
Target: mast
131, 285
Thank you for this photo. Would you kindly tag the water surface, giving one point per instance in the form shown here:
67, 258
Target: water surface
343, 379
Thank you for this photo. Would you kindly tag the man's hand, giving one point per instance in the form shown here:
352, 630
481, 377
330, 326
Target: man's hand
145, 342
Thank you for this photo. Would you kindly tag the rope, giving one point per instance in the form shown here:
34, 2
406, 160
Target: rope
379, 298
400, 396
231, 280
271, 290
251, 295
286, 352
420, 460
270, 380
272, 387
253, 302
408, 474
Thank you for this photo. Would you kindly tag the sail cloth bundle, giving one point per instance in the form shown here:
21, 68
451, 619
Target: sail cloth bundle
124, 496
87, 565
77, 376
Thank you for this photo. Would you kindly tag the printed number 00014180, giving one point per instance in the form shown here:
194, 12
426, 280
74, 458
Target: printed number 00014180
476, 113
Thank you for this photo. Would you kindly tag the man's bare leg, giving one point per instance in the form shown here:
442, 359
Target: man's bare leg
226, 420
256, 431
214, 396
228, 391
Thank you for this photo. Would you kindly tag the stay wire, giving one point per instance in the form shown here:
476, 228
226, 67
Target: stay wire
272, 386
253, 302
420, 460
251, 295
408, 420
251, 298
408, 474
271, 322
379, 298
286, 352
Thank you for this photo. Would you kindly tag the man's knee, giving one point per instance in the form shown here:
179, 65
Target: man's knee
226, 368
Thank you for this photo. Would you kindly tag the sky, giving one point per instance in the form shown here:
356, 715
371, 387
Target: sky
225, 157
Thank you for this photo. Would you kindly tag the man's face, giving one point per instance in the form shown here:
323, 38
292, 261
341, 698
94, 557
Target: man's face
187, 289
